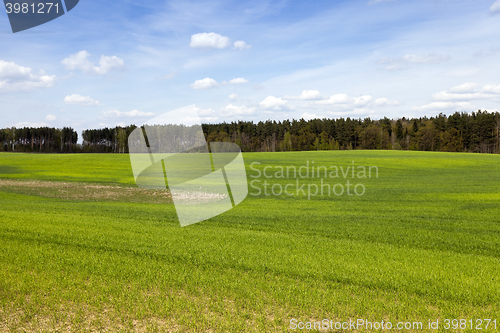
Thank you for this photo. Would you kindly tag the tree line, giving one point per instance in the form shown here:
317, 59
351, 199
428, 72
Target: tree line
461, 132
106, 140
65, 140
477, 132
41, 139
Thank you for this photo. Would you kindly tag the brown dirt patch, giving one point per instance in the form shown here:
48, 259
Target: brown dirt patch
84, 191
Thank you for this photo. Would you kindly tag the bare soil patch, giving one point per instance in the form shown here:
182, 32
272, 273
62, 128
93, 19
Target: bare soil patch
84, 191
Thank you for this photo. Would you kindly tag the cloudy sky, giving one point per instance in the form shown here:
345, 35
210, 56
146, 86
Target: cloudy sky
110, 63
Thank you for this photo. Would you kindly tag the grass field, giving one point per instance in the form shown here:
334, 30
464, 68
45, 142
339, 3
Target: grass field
422, 242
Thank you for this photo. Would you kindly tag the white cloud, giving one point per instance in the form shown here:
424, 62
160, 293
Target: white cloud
79, 61
335, 100
492, 89
309, 116
307, 95
459, 98
468, 91
233, 110
16, 78
238, 80
241, 45
362, 101
50, 117
130, 114
385, 102
469, 87
208, 83
447, 96
495, 8
113, 124
209, 40
233, 96
406, 60
28, 124
275, 104
442, 106
76, 99
362, 112
344, 101
205, 83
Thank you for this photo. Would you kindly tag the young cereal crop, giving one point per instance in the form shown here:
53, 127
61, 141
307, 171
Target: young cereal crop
421, 243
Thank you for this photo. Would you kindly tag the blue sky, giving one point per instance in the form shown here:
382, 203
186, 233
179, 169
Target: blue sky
122, 62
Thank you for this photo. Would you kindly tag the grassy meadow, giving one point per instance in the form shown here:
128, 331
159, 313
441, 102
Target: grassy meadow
82, 249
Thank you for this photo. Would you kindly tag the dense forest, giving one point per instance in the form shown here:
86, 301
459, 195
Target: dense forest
476, 132
42, 139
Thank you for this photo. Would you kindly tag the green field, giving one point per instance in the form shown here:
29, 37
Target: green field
423, 242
